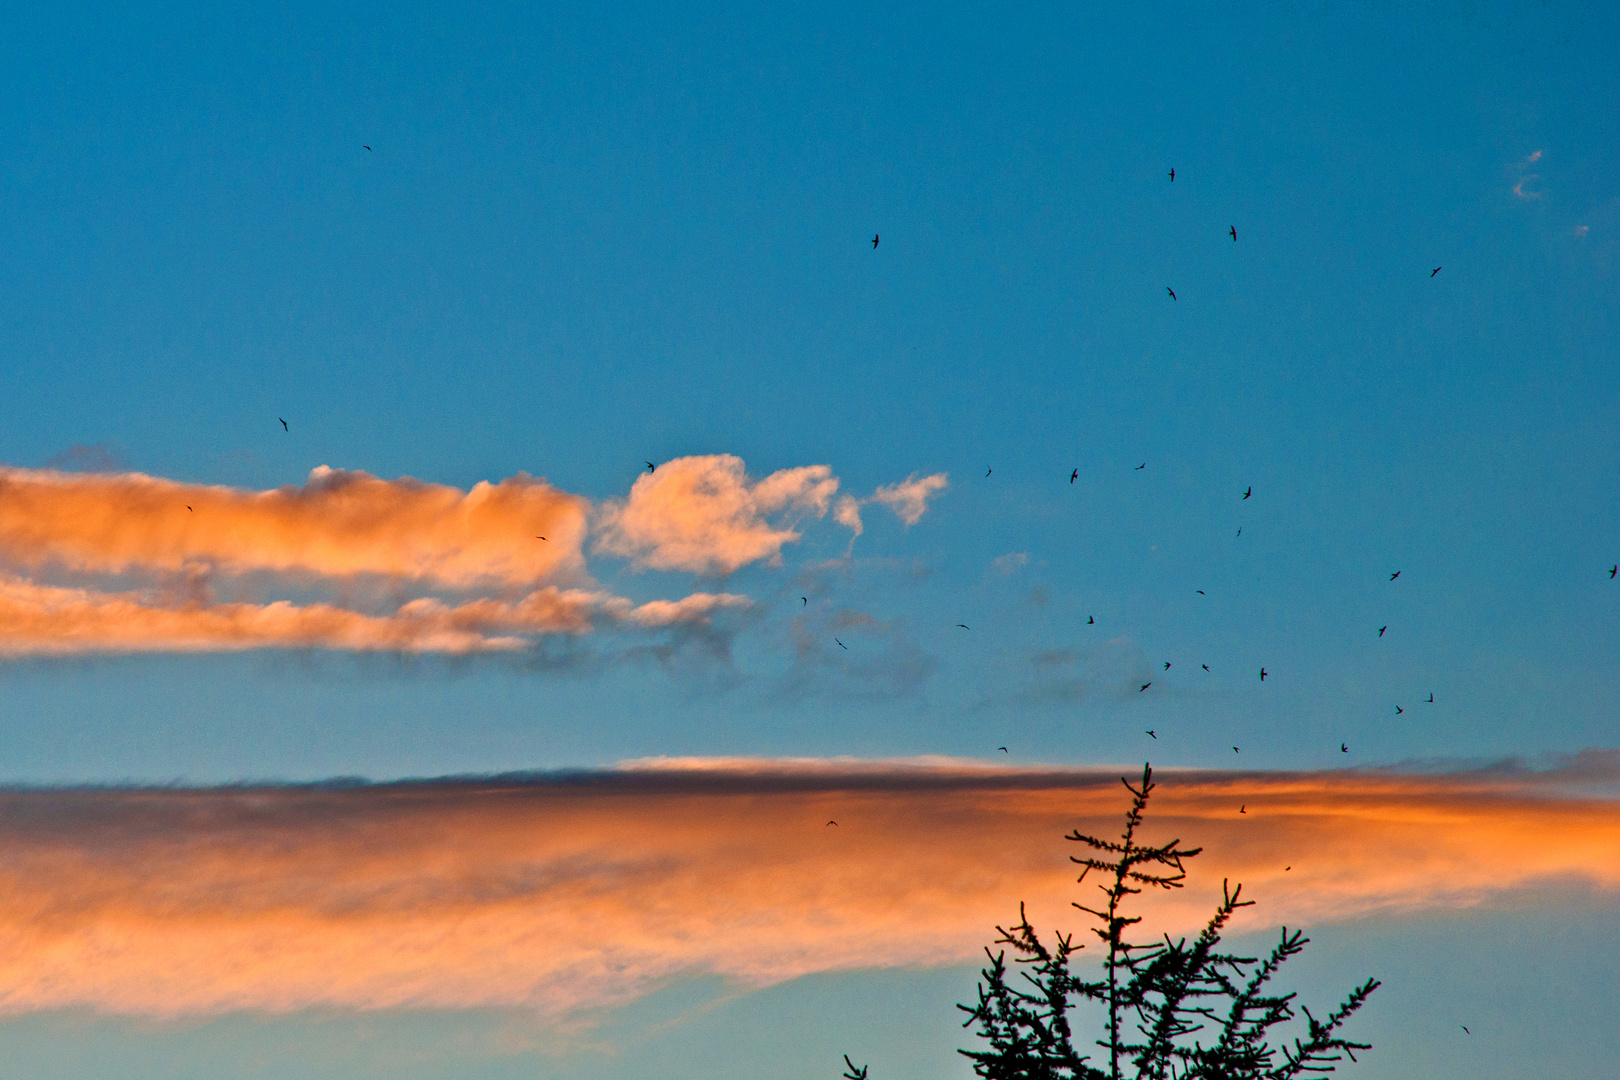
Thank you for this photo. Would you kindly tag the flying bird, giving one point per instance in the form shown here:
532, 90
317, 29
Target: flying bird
1200, 592
1436, 270
1247, 492
1142, 466
542, 538
1172, 176
189, 508
1150, 733
1171, 291
1613, 570
1235, 750
1167, 665
806, 600
1262, 674
1244, 809
1240, 532
1343, 749
1076, 475
1090, 621
283, 424
651, 467
1399, 710
841, 645
1206, 667
1144, 686
1381, 630
364, 147
964, 626
874, 241
1430, 701
1465, 1029
1233, 231
1288, 868
830, 823
1003, 749
988, 470
1395, 575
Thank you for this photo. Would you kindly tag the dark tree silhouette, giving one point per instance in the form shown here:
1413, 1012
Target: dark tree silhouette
1174, 1010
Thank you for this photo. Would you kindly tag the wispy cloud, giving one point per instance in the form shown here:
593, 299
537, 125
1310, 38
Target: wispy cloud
908, 499
1522, 187
578, 889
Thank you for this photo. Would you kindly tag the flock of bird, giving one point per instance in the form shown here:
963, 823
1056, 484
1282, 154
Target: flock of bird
1248, 492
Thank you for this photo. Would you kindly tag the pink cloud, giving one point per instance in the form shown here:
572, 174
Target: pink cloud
703, 514
909, 498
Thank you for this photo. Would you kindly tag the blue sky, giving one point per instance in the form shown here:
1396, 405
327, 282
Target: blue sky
585, 239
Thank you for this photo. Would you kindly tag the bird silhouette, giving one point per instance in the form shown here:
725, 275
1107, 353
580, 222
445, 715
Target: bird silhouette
1430, 701
1465, 1029
1244, 809
988, 470
542, 538
1144, 686
874, 241
1613, 570
1003, 749
1233, 231
1142, 466
1436, 270
854, 1073
1167, 665
830, 823
964, 626
651, 467
841, 645
1399, 710
1343, 749
1288, 868
1171, 291
1172, 176
1395, 575
1200, 592
1151, 735
806, 600
1262, 674
1381, 630
365, 147
1235, 750
1240, 532
284, 426
1090, 621
1206, 667
1076, 474
1247, 492
189, 508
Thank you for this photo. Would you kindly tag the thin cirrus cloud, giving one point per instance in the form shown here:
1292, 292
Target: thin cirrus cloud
563, 891
514, 545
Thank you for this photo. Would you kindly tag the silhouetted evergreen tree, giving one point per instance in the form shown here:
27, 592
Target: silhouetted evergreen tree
1163, 999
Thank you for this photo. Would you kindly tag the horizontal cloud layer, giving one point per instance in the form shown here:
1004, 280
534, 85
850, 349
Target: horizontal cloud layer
338, 524
569, 890
44, 621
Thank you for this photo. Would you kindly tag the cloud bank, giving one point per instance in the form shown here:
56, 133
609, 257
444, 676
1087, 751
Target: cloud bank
569, 890
504, 563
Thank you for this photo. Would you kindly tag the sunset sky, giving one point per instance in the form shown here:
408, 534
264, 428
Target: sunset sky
511, 409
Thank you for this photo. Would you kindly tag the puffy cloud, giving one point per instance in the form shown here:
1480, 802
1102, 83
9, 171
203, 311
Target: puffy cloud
909, 498
703, 514
583, 889
338, 524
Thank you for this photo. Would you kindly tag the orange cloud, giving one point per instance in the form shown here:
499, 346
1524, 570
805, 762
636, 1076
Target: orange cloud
560, 891
338, 524
703, 514
909, 498
44, 621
